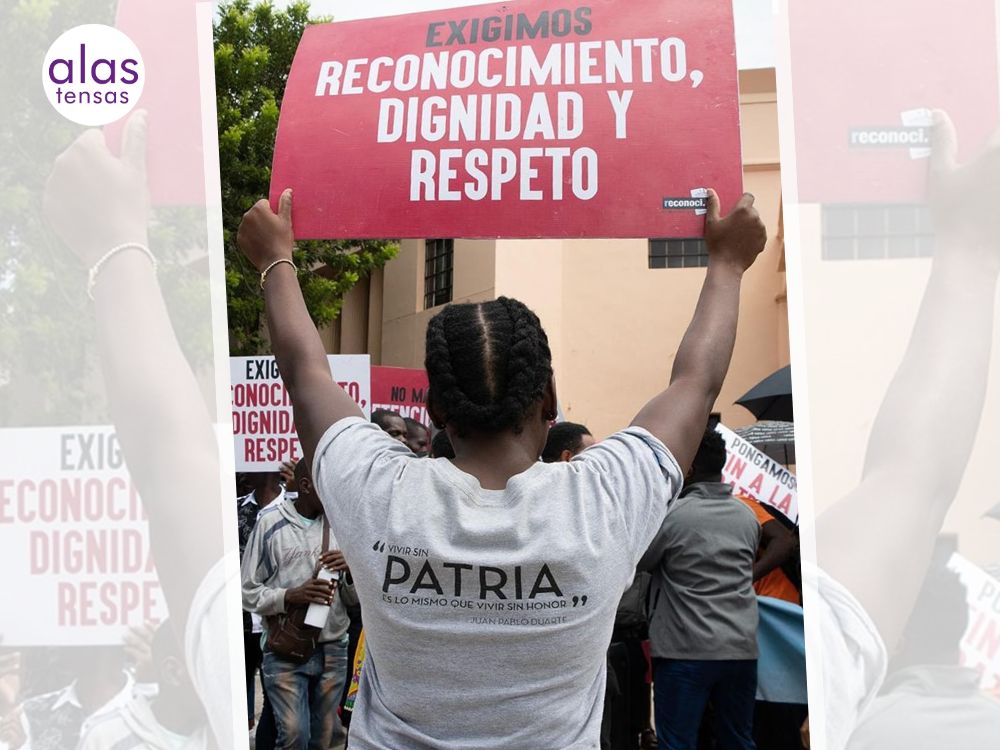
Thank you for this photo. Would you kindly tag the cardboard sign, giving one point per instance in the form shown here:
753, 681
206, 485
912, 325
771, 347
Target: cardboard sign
263, 425
862, 101
401, 390
529, 119
75, 540
757, 475
981, 643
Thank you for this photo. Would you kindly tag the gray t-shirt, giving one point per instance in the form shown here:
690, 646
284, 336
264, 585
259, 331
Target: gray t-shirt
930, 707
702, 602
488, 613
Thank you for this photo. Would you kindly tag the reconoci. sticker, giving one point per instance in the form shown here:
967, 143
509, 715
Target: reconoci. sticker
890, 136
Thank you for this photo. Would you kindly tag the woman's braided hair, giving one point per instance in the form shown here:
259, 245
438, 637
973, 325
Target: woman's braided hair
488, 365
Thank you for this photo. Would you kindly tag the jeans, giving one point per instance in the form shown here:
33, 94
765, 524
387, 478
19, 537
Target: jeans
684, 687
266, 736
304, 697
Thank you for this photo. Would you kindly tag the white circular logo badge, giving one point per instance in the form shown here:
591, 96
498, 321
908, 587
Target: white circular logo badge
93, 74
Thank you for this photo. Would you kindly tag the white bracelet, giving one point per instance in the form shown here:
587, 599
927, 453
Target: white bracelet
96, 268
263, 274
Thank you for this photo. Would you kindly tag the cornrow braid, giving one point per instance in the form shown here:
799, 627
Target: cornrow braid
488, 365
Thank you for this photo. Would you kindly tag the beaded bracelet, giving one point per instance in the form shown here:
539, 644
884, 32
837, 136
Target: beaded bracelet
96, 268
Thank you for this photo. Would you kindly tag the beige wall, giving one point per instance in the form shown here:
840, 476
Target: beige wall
404, 321
855, 335
613, 323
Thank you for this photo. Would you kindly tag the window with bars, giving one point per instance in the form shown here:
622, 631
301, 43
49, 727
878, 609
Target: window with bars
683, 253
439, 260
872, 231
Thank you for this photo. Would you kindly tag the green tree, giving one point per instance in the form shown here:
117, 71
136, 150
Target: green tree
254, 47
48, 364
37, 343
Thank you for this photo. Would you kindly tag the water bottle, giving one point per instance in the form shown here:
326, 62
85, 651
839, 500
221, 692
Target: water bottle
317, 614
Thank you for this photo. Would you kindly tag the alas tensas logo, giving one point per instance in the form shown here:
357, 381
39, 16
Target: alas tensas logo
93, 74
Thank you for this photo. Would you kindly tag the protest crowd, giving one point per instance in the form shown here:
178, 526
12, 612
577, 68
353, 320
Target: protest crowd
496, 579
672, 630
762, 540
492, 578
491, 575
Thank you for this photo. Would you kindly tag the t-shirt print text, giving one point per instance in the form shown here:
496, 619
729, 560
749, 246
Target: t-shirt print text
412, 577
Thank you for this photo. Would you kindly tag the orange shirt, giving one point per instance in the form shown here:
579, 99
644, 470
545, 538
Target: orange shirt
775, 584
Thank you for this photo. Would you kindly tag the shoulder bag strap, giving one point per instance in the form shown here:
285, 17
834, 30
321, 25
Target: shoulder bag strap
326, 545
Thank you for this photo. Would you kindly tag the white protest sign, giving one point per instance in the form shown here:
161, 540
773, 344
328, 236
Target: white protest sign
981, 643
755, 474
74, 530
263, 425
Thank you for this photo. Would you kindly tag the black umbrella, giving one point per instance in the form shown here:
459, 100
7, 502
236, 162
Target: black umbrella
771, 398
776, 439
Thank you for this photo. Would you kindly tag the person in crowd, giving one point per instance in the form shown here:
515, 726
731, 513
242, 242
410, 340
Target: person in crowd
777, 550
547, 549
627, 698
566, 440
267, 488
703, 611
776, 574
245, 483
628, 707
418, 437
279, 573
355, 660
287, 473
792, 567
391, 424
441, 446
58, 719
351, 694
171, 718
926, 678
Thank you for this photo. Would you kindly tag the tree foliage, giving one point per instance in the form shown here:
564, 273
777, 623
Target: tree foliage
254, 47
39, 344
49, 368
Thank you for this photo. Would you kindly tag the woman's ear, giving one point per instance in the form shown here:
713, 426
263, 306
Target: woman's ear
436, 419
432, 411
550, 401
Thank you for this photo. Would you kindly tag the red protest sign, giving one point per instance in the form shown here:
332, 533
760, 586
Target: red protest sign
402, 390
530, 119
166, 35
862, 101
